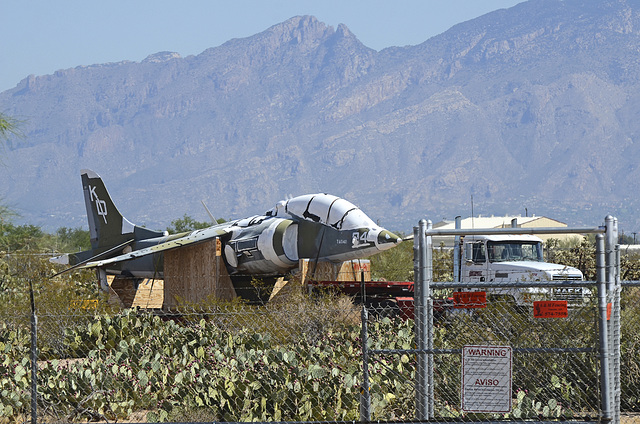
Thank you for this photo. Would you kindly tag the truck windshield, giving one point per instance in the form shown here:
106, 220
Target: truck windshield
503, 251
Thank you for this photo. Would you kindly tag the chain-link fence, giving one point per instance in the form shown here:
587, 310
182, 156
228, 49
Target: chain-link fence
553, 374
221, 361
630, 350
300, 356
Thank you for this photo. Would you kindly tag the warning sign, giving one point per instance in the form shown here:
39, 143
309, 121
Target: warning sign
550, 309
469, 300
486, 378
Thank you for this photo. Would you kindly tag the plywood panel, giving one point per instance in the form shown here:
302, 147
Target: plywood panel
331, 271
136, 292
150, 294
194, 274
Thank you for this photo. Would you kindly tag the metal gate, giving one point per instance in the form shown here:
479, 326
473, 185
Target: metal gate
522, 367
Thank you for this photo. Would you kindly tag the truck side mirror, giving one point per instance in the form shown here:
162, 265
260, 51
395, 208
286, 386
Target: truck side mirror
468, 252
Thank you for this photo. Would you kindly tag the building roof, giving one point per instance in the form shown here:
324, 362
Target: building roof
500, 222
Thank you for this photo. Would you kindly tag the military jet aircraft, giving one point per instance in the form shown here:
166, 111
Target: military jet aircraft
320, 227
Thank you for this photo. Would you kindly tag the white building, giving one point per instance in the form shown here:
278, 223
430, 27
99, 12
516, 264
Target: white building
502, 222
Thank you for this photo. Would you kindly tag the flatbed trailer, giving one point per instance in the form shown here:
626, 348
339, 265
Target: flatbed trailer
382, 298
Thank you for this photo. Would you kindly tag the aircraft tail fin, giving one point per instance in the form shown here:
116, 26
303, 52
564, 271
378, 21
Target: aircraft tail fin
107, 226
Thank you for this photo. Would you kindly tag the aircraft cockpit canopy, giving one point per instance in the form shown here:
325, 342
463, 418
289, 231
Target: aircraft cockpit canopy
326, 209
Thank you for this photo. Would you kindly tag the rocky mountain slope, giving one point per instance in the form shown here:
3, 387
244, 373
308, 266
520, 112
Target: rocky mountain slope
532, 107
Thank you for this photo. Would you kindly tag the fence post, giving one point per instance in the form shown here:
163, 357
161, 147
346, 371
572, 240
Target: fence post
611, 226
605, 387
365, 394
421, 323
429, 303
34, 356
617, 329
613, 292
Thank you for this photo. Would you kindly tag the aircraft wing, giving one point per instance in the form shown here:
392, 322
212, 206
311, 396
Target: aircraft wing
192, 238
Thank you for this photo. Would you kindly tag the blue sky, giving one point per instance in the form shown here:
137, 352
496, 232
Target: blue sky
41, 36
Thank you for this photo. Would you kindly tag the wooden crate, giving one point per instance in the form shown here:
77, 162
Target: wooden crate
144, 293
193, 274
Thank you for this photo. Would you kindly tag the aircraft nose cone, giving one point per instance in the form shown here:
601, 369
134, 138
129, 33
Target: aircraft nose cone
386, 240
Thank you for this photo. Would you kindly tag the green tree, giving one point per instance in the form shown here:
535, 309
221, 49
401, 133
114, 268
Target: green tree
579, 255
71, 239
6, 216
20, 237
186, 223
625, 238
8, 126
395, 264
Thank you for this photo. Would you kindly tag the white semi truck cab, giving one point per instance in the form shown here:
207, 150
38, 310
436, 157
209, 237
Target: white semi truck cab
517, 258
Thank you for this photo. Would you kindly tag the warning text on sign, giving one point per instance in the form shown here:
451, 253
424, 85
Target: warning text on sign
486, 378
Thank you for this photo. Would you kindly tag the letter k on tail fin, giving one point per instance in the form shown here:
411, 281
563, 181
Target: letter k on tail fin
107, 226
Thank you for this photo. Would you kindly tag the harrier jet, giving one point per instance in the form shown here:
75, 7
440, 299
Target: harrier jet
320, 227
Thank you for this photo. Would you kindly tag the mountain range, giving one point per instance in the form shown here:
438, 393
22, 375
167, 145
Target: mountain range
533, 109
